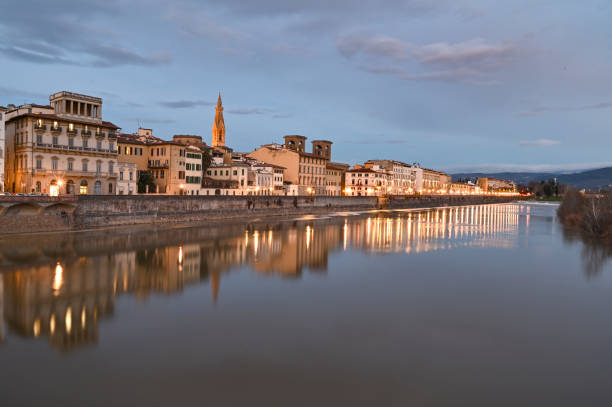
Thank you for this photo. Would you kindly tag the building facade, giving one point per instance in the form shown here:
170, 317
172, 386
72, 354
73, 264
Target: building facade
361, 181
127, 183
62, 148
403, 176
2, 147
193, 170
334, 182
306, 170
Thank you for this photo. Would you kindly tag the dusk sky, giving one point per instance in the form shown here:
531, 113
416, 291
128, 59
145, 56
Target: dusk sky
451, 84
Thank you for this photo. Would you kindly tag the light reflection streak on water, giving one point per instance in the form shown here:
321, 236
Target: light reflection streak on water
91, 284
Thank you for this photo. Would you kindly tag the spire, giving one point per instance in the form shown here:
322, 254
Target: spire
218, 130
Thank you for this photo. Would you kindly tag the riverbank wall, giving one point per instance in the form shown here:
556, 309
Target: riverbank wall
46, 214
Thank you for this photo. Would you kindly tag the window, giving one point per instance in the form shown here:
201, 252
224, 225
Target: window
120, 175
39, 138
98, 167
71, 141
131, 175
38, 186
111, 167
83, 188
54, 163
99, 145
38, 163
111, 145
85, 143
161, 174
110, 188
235, 172
85, 167
70, 165
55, 140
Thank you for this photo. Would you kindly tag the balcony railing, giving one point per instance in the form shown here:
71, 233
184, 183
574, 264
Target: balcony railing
76, 148
73, 131
112, 135
153, 164
86, 133
57, 129
40, 127
100, 134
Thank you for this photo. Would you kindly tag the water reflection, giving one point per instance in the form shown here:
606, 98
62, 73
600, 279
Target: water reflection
59, 288
594, 253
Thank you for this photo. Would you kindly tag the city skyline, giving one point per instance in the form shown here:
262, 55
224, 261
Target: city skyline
446, 85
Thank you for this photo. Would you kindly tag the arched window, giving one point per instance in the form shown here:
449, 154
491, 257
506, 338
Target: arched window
111, 167
70, 187
98, 188
110, 188
83, 188
38, 186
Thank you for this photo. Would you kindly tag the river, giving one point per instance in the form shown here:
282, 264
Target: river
491, 305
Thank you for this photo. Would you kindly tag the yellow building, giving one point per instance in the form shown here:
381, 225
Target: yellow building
62, 148
306, 170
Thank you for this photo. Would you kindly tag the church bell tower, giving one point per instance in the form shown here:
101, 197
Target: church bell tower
218, 130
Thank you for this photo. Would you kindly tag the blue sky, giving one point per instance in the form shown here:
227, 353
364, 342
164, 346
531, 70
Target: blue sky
451, 84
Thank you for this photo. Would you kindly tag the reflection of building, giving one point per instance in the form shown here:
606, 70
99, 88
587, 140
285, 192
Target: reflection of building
1, 310
63, 302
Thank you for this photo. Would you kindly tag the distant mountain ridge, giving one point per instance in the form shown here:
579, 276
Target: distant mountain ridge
591, 179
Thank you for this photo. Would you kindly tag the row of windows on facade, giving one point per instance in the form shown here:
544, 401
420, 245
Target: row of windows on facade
130, 173
220, 172
56, 126
369, 175
193, 180
131, 150
379, 182
193, 167
83, 187
161, 174
311, 180
70, 166
311, 170
23, 139
310, 160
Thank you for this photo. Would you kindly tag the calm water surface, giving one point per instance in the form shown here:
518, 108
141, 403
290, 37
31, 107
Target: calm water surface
472, 306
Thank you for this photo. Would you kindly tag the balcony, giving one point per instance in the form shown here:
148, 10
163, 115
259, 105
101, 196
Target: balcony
73, 131
40, 127
86, 133
112, 135
75, 148
153, 164
57, 129
100, 134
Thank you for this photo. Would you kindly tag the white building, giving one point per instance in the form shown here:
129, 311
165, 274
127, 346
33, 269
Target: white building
403, 176
362, 181
264, 171
2, 147
127, 183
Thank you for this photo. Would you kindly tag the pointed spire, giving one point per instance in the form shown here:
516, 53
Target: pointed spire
219, 100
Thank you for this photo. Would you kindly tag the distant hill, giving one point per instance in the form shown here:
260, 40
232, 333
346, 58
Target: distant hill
590, 179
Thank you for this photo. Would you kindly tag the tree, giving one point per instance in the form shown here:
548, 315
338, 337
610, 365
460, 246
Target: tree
146, 182
206, 160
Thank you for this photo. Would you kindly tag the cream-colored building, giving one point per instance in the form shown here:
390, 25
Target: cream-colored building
334, 182
434, 182
373, 181
496, 185
463, 188
269, 177
403, 176
127, 183
63, 148
306, 170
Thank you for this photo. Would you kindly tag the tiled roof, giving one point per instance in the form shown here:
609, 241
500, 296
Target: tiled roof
68, 120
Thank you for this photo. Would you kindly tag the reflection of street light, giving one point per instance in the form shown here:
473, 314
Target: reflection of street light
182, 187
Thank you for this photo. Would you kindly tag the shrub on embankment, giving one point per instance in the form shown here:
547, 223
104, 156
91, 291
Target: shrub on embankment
591, 215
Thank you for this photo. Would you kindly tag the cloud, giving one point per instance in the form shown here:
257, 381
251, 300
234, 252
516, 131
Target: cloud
543, 108
249, 111
543, 142
185, 104
374, 46
476, 52
474, 61
68, 33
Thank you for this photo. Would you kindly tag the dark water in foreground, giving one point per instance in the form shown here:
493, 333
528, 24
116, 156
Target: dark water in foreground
473, 306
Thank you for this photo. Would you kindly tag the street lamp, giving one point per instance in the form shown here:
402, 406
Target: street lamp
182, 188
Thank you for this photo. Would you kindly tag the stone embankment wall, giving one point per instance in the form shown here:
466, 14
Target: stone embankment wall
43, 214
